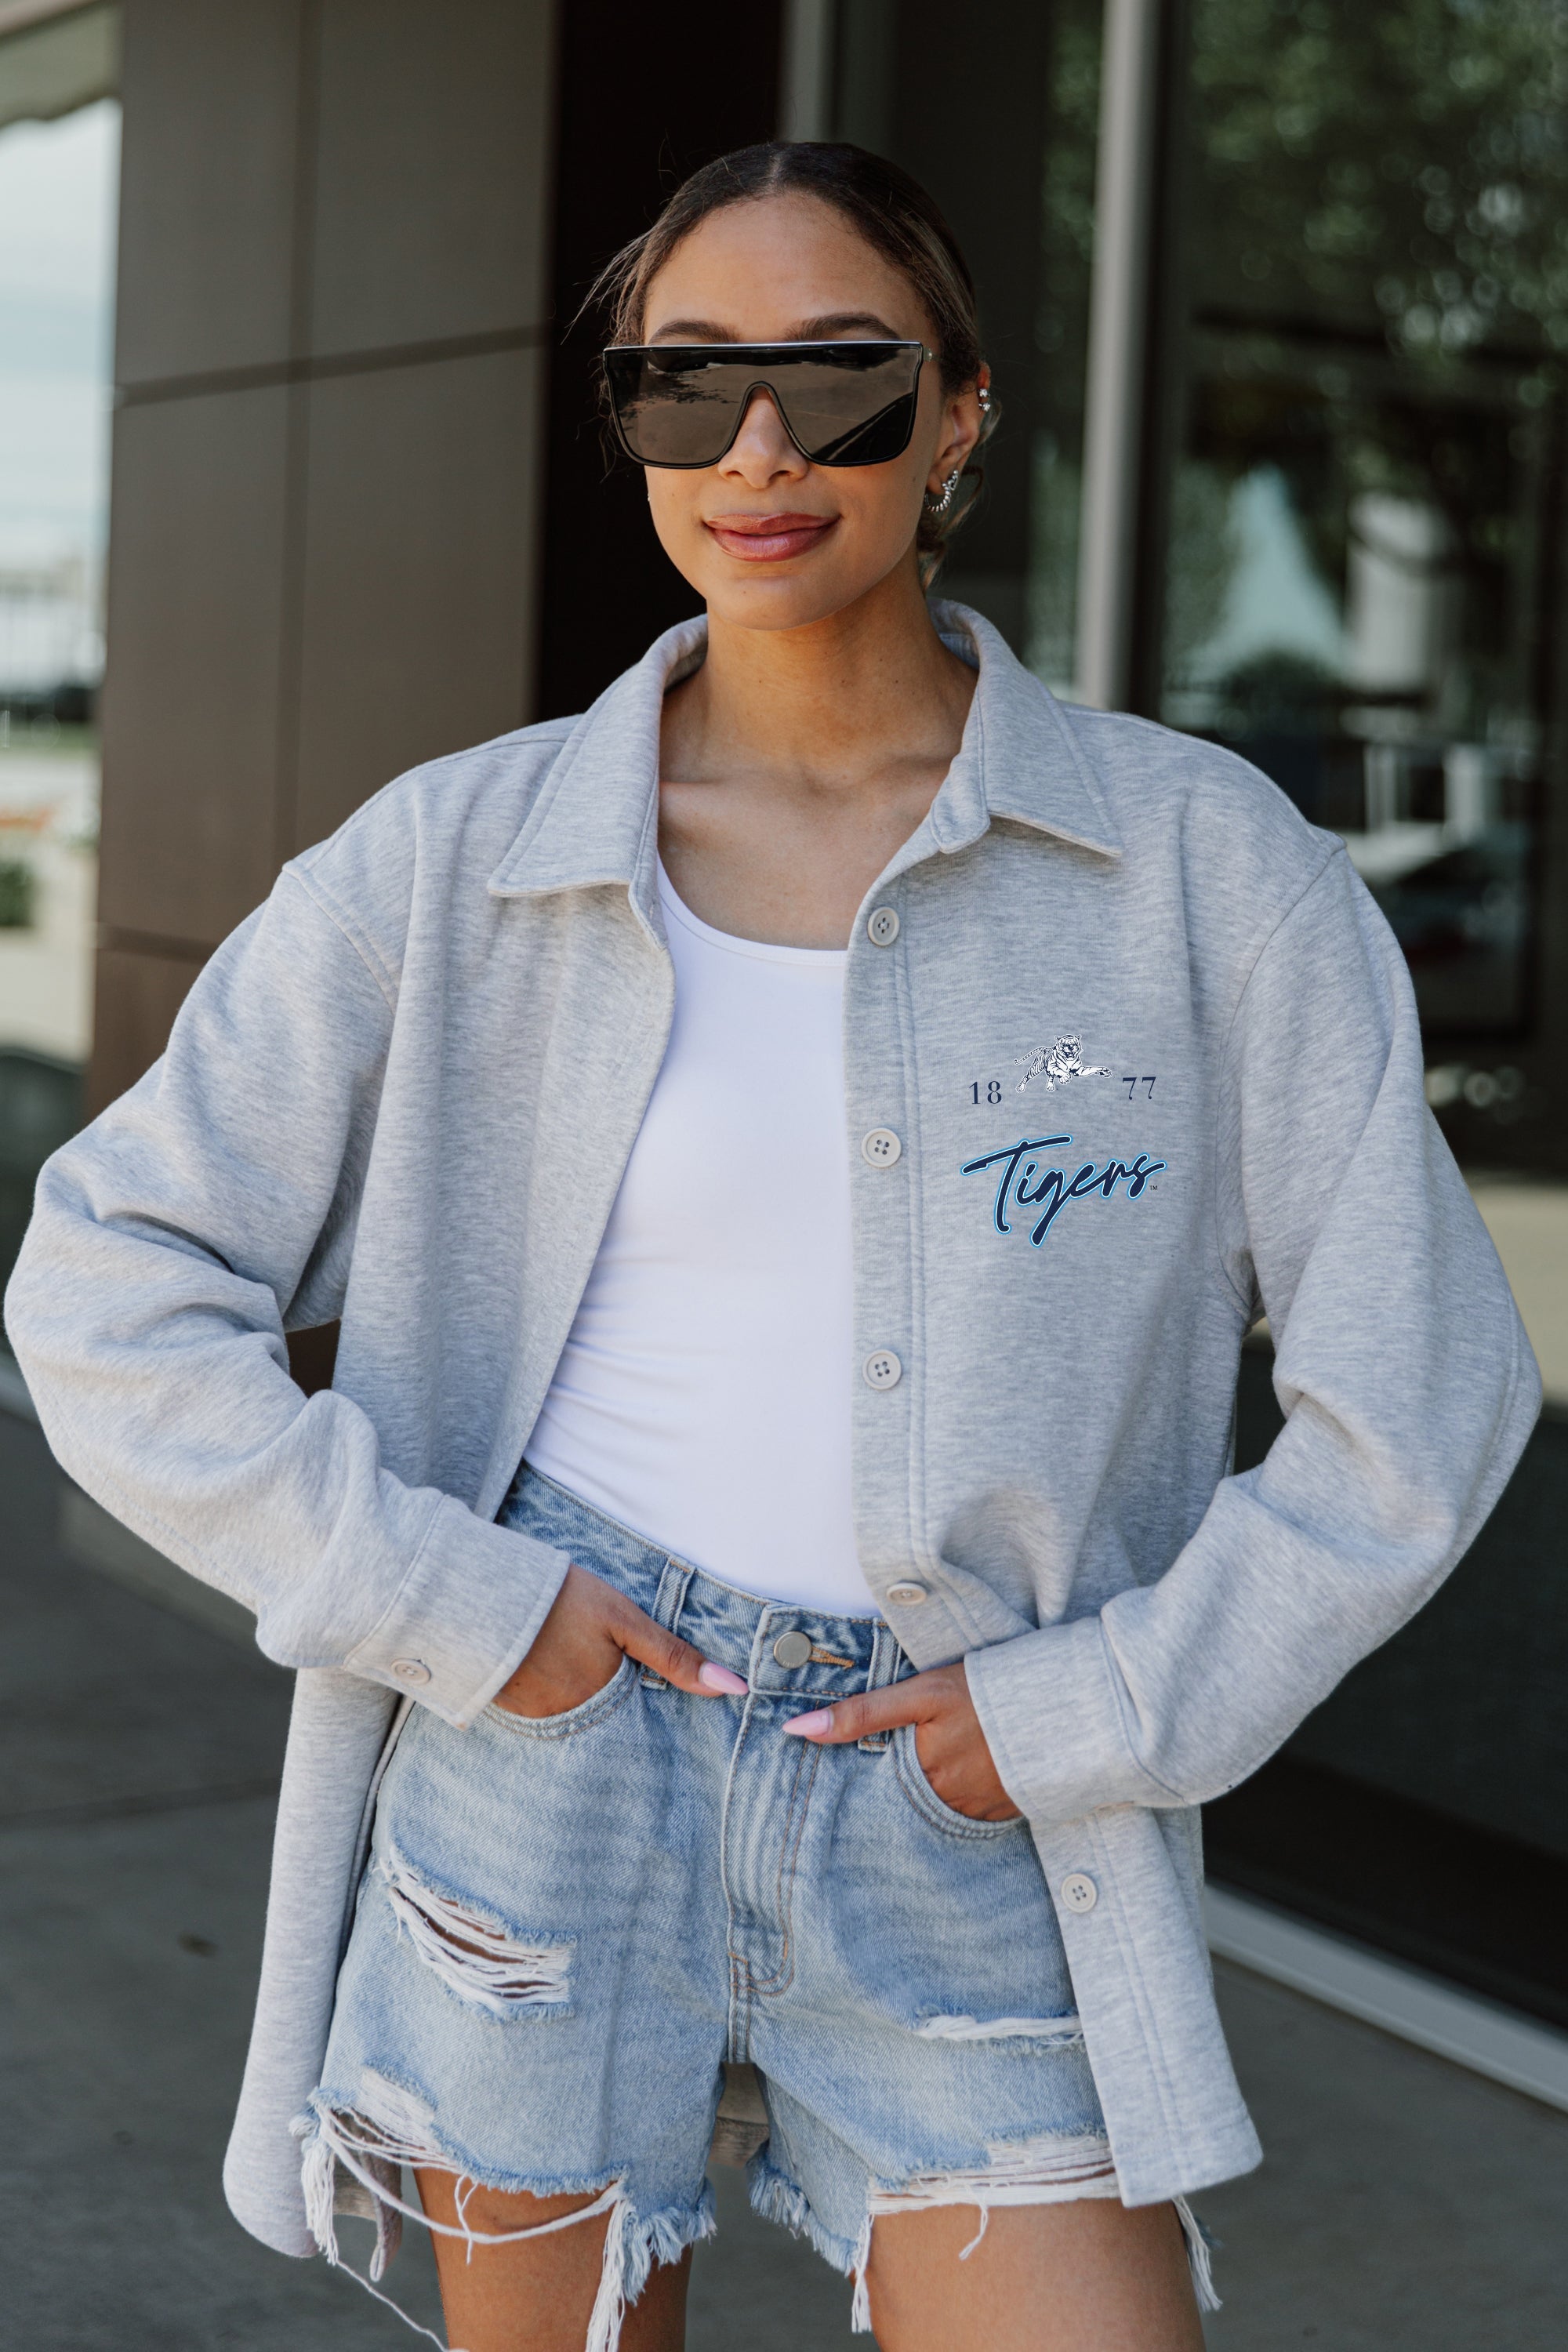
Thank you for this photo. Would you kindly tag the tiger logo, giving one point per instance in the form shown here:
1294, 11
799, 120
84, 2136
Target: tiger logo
1056, 1063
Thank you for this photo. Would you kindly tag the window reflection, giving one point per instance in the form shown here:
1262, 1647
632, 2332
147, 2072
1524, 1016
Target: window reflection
1359, 595
1363, 596
1353, 603
59, 174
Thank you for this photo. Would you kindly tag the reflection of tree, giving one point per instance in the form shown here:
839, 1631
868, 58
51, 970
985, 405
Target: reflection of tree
1400, 161
1431, 445
1066, 216
1203, 557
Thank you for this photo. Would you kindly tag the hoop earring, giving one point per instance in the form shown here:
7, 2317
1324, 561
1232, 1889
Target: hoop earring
937, 506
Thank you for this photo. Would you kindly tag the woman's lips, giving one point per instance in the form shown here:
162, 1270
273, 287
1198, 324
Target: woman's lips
769, 539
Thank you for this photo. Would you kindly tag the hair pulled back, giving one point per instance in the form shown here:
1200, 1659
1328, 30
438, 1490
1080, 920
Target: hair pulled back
891, 211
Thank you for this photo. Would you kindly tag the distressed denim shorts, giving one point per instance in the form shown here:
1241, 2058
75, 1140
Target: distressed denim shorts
594, 1948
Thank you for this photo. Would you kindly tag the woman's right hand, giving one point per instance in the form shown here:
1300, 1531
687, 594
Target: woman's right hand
579, 1648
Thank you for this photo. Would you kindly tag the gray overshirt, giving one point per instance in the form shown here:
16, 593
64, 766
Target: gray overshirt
404, 1093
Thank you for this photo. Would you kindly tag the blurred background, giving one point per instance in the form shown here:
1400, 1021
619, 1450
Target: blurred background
301, 483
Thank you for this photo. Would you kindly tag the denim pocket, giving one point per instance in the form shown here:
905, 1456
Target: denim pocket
583, 1717
912, 1780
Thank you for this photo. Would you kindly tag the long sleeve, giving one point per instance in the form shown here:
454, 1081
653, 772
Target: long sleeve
1407, 1385
172, 1245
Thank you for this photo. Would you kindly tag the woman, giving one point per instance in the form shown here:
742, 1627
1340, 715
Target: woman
794, 1153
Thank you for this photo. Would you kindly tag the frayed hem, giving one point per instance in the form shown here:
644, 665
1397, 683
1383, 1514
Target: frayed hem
775, 2198
1081, 2170
1200, 2247
371, 2159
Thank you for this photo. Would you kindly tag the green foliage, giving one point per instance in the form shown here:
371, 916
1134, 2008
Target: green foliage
1393, 162
19, 889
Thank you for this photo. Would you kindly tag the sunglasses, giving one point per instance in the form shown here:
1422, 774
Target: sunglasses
841, 404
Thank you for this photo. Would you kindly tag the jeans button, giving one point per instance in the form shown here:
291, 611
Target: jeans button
792, 1649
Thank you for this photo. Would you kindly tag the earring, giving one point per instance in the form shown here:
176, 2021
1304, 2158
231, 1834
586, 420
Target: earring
937, 506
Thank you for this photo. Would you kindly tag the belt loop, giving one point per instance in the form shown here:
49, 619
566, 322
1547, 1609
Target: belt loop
882, 1670
667, 1603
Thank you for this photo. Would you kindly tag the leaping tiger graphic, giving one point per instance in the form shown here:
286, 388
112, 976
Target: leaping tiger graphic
1058, 1063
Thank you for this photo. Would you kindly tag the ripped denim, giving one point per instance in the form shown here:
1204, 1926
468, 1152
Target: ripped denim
594, 1951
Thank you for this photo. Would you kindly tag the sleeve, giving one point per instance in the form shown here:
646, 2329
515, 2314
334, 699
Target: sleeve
1407, 1385
172, 1245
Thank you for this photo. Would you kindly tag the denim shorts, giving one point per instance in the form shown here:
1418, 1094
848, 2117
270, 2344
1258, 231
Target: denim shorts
591, 1949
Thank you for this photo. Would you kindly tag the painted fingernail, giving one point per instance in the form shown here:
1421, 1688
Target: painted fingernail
720, 1678
808, 1726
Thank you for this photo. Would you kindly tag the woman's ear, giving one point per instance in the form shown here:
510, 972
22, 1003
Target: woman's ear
962, 422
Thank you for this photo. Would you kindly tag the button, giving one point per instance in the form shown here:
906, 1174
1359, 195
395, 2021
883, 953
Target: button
792, 1649
907, 1592
882, 926
1080, 1892
411, 1670
882, 1369
880, 1147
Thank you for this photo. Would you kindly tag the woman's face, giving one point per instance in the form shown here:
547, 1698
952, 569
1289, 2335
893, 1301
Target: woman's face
768, 539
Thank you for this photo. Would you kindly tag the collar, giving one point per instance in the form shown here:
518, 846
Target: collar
595, 819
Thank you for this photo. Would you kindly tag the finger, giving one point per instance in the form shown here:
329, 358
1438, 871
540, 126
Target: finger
672, 1658
878, 1710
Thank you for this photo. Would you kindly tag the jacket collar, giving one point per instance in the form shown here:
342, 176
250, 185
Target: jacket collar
595, 819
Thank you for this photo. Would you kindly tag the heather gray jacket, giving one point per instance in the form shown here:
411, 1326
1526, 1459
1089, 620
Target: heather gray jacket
1152, 1059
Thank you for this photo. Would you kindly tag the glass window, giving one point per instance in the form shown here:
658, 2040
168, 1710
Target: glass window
58, 179
1360, 590
1363, 594
1009, 156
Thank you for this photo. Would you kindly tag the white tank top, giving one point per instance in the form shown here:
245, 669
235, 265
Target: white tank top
703, 1395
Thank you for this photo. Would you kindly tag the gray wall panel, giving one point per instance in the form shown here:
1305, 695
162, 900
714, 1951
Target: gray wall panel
206, 216
137, 993
190, 713
430, 169
417, 627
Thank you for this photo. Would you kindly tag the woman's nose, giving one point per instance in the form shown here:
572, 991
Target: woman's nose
762, 449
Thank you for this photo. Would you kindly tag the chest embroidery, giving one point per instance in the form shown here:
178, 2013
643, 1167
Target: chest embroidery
1056, 1063
1016, 1186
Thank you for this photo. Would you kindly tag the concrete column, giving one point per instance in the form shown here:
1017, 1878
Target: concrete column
1126, 182
334, 290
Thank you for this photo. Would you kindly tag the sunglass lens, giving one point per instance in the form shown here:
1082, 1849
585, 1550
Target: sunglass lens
848, 415
676, 410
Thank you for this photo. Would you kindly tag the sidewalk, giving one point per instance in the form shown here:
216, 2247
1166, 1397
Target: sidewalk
1405, 2201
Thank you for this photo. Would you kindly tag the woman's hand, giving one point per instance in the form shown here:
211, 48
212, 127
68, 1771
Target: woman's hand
949, 1741
579, 1647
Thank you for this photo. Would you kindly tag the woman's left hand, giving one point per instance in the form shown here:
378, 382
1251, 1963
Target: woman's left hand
949, 1741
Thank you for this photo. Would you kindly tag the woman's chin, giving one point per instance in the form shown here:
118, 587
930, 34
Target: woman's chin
795, 595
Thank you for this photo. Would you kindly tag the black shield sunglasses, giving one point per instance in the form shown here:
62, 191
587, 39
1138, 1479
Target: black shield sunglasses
841, 404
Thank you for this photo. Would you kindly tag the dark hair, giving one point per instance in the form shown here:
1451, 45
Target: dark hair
893, 214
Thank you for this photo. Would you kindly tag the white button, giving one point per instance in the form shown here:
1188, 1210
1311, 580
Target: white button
411, 1670
883, 1369
882, 926
907, 1592
880, 1147
1080, 1892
